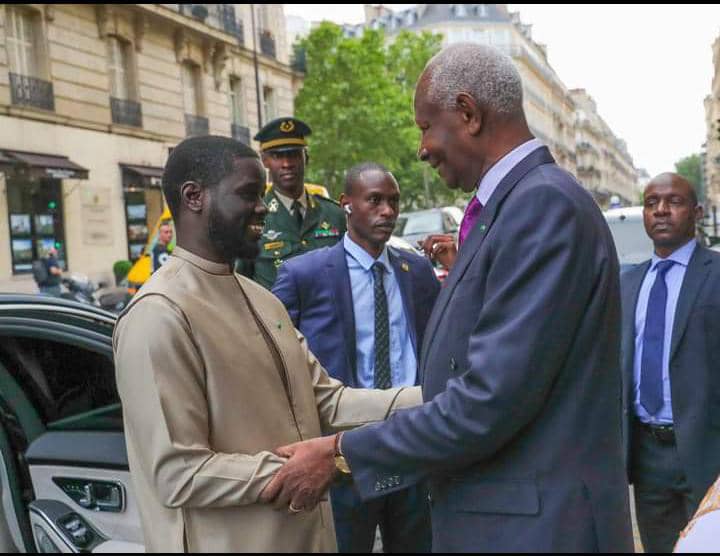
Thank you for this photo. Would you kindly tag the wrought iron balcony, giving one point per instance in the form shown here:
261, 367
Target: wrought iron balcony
229, 22
196, 125
30, 91
267, 44
241, 133
126, 112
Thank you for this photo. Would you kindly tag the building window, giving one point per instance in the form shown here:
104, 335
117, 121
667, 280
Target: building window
25, 62
191, 97
118, 67
36, 223
269, 107
240, 131
237, 101
195, 123
21, 42
124, 109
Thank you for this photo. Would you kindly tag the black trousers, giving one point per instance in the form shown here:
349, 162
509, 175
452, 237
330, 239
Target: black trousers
664, 502
403, 517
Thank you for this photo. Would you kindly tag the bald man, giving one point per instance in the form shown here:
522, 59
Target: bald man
520, 434
671, 365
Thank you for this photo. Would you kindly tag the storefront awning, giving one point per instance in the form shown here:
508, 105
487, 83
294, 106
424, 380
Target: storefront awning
40, 165
144, 176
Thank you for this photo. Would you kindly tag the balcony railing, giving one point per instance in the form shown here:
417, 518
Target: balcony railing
241, 133
267, 44
30, 91
126, 112
196, 125
229, 22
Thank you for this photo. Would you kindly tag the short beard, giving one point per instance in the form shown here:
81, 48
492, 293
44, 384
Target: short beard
229, 238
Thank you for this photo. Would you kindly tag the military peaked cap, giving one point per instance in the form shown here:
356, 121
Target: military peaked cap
283, 134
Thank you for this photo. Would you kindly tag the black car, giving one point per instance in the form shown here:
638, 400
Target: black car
63, 467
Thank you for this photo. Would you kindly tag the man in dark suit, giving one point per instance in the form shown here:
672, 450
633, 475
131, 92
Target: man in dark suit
671, 365
363, 308
520, 434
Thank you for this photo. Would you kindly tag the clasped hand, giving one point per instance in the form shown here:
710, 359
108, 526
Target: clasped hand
303, 481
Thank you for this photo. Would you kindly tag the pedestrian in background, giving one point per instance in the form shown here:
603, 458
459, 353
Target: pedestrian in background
671, 365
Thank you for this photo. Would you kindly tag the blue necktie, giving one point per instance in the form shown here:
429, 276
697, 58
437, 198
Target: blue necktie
651, 383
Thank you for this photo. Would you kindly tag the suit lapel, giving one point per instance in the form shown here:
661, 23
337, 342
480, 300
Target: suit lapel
697, 272
631, 291
339, 276
402, 273
477, 235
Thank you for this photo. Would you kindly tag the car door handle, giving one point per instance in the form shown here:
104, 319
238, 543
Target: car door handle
99, 496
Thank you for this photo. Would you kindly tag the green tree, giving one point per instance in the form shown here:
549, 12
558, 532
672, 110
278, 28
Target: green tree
690, 168
357, 97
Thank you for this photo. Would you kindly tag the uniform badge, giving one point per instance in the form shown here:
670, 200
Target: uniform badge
325, 226
271, 234
274, 245
405, 267
273, 206
287, 126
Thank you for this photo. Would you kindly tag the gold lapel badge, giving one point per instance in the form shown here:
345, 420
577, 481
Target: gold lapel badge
405, 266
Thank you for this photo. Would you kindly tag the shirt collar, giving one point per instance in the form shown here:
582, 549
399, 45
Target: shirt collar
203, 264
680, 256
492, 178
288, 201
363, 258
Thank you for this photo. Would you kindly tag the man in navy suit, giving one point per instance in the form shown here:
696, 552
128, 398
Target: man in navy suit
364, 321
671, 365
520, 435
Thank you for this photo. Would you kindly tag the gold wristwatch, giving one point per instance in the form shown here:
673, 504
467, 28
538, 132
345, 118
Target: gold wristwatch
340, 463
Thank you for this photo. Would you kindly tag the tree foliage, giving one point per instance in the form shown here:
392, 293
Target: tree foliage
690, 168
358, 98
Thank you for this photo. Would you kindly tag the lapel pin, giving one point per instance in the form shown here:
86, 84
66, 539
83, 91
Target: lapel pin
405, 266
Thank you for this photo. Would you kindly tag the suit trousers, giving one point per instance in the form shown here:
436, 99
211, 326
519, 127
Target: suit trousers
403, 518
663, 500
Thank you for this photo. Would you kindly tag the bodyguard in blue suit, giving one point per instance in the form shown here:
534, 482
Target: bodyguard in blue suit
671, 366
363, 308
520, 433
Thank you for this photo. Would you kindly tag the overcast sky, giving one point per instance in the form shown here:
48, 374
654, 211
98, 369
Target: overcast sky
647, 67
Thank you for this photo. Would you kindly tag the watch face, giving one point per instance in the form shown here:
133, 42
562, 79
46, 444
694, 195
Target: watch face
341, 465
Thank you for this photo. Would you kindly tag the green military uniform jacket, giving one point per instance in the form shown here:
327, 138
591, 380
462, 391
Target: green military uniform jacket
323, 226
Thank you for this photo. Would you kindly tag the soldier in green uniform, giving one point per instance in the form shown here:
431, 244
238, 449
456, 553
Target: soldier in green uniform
296, 221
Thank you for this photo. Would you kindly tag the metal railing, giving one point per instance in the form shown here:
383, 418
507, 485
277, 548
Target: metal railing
126, 112
196, 125
31, 91
241, 133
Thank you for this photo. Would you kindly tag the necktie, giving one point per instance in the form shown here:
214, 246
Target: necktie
651, 385
382, 331
297, 212
472, 213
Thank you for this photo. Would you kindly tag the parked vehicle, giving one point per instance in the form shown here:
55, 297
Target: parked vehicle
632, 243
416, 226
63, 463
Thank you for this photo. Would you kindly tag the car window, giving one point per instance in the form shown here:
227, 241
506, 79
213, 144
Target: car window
423, 223
66, 384
399, 226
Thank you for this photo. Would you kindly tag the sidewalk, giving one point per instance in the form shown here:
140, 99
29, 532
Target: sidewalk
19, 284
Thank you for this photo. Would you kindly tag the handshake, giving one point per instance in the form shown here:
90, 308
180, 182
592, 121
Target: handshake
303, 481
